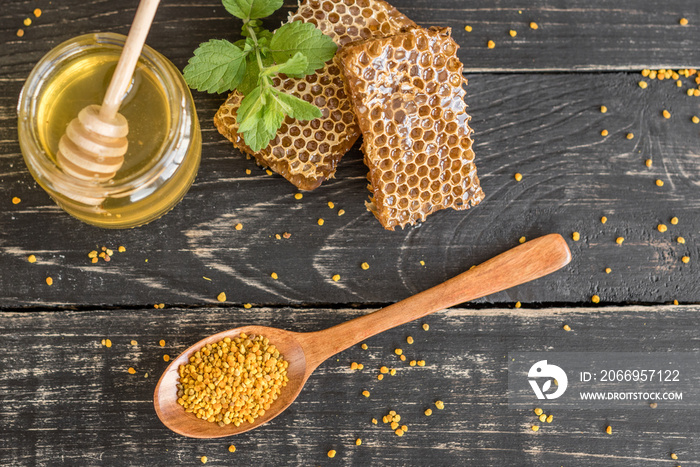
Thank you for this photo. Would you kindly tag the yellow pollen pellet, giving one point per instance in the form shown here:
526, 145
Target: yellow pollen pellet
232, 448
374, 421
440, 405
403, 358
274, 275
247, 306
685, 259
688, 92
538, 411
331, 453
518, 177
353, 366
422, 263
108, 343
365, 393
630, 136
513, 33
341, 212
31, 258
409, 339
648, 162
358, 442
399, 432
674, 220
683, 22
121, 249
238, 226
679, 83
608, 429
16, 200
550, 418
131, 371
134, 343
566, 327
491, 44
608, 270
364, 346
695, 119
298, 196
331, 204
603, 109
27, 21
468, 28
384, 370
166, 358
20, 33
543, 418
268, 171
420, 362
674, 456
661, 228
522, 240
320, 221
336, 277
247, 171
643, 84
604, 133
380, 377
533, 25
535, 428
412, 363
518, 304
680, 240
595, 299
398, 351
619, 240
392, 372
576, 236
645, 72
666, 114
221, 297
659, 183
49, 280
364, 266
37, 12
203, 459
426, 326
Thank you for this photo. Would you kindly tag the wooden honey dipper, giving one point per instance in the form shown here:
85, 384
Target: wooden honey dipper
95, 142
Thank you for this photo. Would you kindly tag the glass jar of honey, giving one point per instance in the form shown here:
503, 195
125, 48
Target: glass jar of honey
165, 140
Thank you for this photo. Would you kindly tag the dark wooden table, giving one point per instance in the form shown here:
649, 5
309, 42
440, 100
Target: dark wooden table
535, 99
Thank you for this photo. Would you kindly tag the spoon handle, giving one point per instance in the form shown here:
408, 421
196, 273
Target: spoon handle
516, 266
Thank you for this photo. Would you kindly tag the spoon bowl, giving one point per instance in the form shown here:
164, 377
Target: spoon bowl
305, 351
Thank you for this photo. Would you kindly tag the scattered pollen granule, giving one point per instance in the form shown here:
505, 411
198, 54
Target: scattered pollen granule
380, 377
374, 421
238, 226
274, 275
643, 84
358, 441
268, 171
535, 427
653, 405
576, 236
31, 258
490, 44
630, 136
360, 366
131, 371
133, 342
426, 326
648, 162
659, 182
320, 221
49, 280
695, 119
161, 342
683, 22
341, 212
248, 171
353, 366
661, 228
37, 12
298, 196
331, 205
428, 412
392, 372
608, 270
203, 459
468, 28
566, 327
674, 220
166, 358
398, 351
543, 418
278, 236
121, 249
336, 277
538, 411
420, 363
603, 220
107, 343
518, 176
364, 266
680, 240
513, 33
595, 299
518, 304
27, 21
604, 133
221, 297
409, 339
403, 358
20, 32
608, 429
16, 200
550, 418
412, 363
619, 240
440, 405
603, 109
533, 25
522, 240
685, 259
232, 448
363, 346
674, 456
666, 114
247, 306
384, 370
331, 453
422, 263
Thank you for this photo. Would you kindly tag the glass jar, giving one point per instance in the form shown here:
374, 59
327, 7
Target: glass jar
165, 141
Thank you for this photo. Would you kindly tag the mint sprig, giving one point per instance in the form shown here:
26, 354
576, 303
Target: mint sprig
249, 65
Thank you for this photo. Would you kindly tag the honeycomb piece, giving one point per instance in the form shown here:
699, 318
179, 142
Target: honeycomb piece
409, 101
307, 152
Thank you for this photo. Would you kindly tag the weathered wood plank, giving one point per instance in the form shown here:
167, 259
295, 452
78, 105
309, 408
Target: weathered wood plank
571, 35
545, 126
65, 399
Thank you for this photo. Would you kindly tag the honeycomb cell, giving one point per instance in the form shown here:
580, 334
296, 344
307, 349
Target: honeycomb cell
343, 21
423, 126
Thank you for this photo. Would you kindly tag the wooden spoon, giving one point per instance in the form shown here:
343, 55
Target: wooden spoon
95, 142
306, 351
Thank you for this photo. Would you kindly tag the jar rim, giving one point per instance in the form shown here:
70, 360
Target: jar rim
28, 127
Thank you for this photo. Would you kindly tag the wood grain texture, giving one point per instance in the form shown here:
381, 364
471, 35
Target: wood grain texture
571, 35
545, 126
67, 400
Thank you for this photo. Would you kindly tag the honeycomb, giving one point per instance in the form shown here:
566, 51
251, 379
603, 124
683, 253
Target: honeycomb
409, 101
307, 152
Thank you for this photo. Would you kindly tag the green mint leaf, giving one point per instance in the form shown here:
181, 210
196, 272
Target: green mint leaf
296, 108
250, 106
293, 67
251, 78
272, 119
251, 9
217, 66
305, 38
